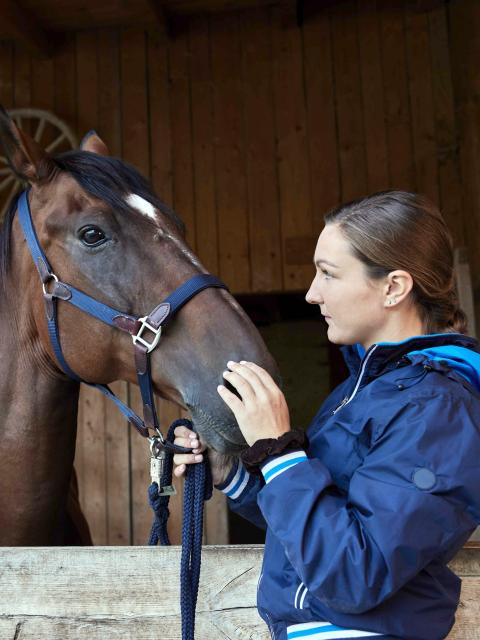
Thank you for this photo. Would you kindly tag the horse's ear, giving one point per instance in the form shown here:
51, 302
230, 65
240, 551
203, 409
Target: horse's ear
92, 142
25, 156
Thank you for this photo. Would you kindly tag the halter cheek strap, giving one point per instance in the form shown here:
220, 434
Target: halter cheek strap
145, 331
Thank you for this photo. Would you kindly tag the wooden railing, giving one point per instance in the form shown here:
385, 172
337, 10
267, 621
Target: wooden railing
103, 593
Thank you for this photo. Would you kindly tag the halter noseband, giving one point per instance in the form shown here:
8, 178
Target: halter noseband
54, 289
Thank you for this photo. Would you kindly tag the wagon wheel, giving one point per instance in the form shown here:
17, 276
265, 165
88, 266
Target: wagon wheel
49, 131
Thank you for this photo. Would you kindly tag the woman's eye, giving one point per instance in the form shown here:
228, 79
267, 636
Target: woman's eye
325, 273
92, 236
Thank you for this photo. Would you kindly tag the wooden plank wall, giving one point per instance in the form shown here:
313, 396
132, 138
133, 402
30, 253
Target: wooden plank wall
251, 129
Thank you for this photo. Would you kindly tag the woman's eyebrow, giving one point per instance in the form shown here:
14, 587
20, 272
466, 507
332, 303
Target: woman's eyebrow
317, 263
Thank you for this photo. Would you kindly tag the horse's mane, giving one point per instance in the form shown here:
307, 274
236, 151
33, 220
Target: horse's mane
109, 179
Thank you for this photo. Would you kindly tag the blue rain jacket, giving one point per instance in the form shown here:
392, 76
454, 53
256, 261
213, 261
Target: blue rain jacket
361, 532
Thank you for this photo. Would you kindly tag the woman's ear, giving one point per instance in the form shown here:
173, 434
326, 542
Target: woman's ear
25, 156
398, 286
93, 143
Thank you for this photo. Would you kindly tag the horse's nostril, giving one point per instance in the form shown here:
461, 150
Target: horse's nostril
231, 388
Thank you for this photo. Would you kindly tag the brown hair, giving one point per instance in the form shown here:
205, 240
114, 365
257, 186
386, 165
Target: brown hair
400, 230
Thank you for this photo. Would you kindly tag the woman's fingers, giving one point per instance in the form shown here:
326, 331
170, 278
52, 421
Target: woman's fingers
250, 375
263, 375
240, 382
187, 438
230, 399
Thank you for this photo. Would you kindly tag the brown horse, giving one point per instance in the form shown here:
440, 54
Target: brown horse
105, 232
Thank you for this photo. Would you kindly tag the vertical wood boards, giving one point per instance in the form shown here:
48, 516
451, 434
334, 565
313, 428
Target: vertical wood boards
262, 195
6, 74
464, 22
292, 150
231, 188
22, 73
159, 116
203, 143
321, 117
421, 103
348, 95
373, 101
181, 134
446, 129
395, 87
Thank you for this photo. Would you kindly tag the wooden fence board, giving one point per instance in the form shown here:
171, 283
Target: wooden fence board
64, 593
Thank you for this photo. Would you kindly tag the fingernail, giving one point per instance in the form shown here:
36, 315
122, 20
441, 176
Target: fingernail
194, 444
243, 362
198, 458
225, 373
230, 362
220, 387
193, 436
197, 450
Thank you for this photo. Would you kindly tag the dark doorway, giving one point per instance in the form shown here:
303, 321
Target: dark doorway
310, 366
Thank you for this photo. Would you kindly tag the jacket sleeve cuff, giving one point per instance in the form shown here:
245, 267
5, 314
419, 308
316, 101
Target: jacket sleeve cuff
236, 481
277, 465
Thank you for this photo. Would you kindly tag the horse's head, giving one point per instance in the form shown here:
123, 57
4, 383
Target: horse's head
105, 232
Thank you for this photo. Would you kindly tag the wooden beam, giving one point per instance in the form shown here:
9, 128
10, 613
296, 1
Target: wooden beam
73, 593
19, 24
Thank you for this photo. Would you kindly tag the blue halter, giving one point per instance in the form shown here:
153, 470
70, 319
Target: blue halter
54, 289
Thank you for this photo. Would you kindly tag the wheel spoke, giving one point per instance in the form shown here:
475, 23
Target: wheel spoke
6, 182
53, 145
39, 131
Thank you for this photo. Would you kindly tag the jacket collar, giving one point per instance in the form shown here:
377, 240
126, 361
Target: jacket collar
383, 355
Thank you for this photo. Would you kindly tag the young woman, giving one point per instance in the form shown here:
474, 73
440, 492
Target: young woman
363, 518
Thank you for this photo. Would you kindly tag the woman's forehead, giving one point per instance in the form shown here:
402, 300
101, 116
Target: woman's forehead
332, 246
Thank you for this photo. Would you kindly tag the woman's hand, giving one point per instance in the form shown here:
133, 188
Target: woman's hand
220, 464
261, 411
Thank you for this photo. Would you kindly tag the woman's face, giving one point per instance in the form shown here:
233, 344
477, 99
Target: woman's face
353, 305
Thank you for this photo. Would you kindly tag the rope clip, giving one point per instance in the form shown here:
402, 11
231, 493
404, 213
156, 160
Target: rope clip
158, 459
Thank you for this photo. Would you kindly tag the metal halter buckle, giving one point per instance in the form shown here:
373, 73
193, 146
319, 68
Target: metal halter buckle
138, 336
51, 276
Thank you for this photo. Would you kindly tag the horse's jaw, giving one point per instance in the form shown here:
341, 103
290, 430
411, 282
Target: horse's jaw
220, 432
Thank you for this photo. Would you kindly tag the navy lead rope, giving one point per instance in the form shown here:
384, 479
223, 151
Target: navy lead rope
197, 489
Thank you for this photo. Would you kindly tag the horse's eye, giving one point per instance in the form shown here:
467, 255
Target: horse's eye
92, 236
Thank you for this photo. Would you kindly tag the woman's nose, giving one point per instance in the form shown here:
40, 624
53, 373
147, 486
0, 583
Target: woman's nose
313, 295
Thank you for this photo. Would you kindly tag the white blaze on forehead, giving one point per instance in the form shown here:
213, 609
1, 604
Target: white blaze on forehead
142, 205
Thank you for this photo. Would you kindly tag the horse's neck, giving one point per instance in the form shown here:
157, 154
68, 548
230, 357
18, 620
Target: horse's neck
37, 432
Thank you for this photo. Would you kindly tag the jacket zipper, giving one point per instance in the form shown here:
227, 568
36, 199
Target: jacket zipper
347, 399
